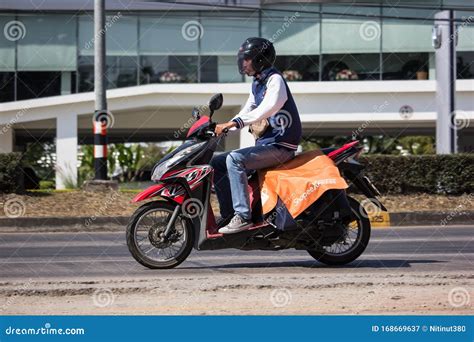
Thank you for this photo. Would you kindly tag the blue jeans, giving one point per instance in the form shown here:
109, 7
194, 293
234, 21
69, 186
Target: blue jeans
230, 175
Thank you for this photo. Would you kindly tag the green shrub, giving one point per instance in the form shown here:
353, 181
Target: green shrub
45, 185
434, 174
11, 175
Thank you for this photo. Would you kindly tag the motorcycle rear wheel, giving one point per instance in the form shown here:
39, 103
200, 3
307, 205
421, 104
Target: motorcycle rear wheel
145, 242
328, 257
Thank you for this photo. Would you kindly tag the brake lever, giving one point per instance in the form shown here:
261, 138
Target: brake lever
210, 133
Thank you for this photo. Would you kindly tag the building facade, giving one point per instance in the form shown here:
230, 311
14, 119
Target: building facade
49, 52
188, 50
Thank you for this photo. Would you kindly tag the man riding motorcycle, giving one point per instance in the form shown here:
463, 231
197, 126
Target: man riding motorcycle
274, 121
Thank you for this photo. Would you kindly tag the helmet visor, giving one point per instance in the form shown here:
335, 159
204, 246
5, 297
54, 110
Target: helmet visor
240, 62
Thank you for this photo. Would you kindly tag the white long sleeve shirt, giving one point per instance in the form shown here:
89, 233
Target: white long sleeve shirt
274, 99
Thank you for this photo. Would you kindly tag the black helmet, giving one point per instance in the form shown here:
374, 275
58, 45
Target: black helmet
259, 50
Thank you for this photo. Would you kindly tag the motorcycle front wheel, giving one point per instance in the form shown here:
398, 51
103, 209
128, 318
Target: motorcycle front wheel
145, 239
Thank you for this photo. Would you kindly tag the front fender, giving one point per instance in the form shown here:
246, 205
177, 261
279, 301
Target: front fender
162, 190
152, 191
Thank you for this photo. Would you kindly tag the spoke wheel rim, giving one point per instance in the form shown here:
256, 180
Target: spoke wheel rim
351, 239
149, 229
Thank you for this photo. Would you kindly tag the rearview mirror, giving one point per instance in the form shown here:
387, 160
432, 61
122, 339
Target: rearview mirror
216, 102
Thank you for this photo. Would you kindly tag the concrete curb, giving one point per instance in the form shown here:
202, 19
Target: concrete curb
432, 218
44, 224
74, 224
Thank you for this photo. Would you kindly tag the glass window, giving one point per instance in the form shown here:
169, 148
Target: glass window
296, 37
427, 3
465, 45
10, 32
299, 68
7, 86
38, 84
86, 73
49, 43
456, 3
405, 66
121, 72
169, 34
227, 70
350, 45
168, 69
121, 33
465, 31
222, 69
292, 32
209, 69
342, 34
465, 64
342, 67
223, 33
407, 35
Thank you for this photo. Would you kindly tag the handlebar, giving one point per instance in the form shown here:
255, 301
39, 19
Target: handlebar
210, 131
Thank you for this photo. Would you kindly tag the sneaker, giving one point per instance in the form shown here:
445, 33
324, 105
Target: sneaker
237, 224
223, 221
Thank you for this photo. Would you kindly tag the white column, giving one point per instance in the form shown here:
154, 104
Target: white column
66, 150
246, 138
6, 139
65, 82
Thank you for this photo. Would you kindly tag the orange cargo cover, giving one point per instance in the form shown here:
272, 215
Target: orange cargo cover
299, 182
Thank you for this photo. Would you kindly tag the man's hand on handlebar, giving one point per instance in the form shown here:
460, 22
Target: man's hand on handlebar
224, 127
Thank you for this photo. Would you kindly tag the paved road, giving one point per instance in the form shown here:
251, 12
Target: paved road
97, 255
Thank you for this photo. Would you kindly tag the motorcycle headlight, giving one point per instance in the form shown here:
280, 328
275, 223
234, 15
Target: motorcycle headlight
161, 169
164, 167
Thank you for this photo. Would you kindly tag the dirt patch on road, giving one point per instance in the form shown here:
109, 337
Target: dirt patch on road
81, 203
420, 293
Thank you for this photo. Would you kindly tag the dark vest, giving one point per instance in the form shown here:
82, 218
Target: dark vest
284, 127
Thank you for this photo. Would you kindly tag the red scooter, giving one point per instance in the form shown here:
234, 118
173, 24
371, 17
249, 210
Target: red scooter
335, 229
